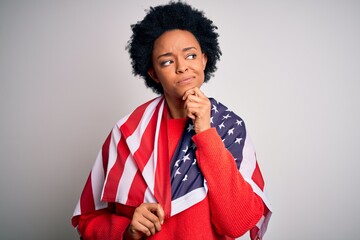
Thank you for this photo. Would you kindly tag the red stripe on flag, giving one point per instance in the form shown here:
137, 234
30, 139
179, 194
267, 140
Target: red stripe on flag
116, 172
162, 175
87, 203
137, 190
133, 121
254, 232
105, 152
142, 156
123, 152
146, 147
257, 177
266, 210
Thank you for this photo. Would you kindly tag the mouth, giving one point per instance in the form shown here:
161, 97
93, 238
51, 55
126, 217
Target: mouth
185, 80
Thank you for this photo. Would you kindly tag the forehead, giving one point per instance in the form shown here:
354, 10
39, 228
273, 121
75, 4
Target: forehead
174, 40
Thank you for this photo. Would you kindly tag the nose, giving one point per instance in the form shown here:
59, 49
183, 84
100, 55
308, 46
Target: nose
181, 66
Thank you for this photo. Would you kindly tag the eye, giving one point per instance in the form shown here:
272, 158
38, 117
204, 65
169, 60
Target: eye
191, 56
166, 63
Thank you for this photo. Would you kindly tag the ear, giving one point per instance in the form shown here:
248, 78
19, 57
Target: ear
204, 60
153, 75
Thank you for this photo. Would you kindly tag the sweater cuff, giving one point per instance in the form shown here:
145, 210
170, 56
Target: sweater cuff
209, 137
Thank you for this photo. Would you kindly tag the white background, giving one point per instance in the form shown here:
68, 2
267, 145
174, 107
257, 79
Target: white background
291, 69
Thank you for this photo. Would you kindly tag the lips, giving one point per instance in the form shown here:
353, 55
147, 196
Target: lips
185, 80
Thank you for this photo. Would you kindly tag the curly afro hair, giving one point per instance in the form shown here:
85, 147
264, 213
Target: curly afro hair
174, 15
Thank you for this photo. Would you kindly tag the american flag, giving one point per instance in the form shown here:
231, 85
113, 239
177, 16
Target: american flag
128, 167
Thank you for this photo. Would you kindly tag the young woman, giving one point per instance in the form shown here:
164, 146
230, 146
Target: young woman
180, 166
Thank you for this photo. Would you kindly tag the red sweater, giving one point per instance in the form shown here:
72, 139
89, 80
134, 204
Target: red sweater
230, 209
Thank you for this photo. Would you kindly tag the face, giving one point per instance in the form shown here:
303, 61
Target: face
178, 63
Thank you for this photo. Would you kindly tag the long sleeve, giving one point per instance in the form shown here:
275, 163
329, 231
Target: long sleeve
234, 207
102, 225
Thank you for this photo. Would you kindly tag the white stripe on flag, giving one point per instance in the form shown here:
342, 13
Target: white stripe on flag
77, 210
149, 197
156, 140
247, 169
149, 173
97, 181
248, 163
187, 200
114, 141
134, 140
126, 180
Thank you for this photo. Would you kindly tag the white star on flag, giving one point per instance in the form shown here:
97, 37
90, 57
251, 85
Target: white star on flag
185, 178
177, 163
185, 150
226, 116
238, 140
231, 131
221, 125
191, 127
239, 122
214, 108
177, 172
186, 157
193, 146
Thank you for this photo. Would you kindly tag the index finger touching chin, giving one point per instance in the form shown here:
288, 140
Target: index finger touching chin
188, 92
198, 92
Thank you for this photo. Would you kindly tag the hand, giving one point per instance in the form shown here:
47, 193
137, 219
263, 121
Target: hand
147, 220
198, 108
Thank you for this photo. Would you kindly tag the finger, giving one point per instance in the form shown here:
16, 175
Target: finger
199, 93
201, 98
137, 226
144, 216
155, 214
192, 91
193, 102
160, 213
149, 221
197, 107
149, 225
153, 222
191, 113
192, 98
192, 116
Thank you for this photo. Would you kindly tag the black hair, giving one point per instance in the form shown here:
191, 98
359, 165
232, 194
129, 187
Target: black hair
159, 19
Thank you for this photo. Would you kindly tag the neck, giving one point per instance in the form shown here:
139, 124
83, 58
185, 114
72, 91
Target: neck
176, 107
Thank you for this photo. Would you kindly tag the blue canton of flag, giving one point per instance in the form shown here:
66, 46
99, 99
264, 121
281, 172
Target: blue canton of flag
231, 129
185, 173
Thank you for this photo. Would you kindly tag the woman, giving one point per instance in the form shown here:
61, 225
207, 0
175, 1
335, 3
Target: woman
175, 168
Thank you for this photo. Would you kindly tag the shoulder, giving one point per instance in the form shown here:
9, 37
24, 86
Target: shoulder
141, 111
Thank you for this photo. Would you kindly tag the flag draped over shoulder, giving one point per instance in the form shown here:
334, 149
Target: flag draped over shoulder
128, 167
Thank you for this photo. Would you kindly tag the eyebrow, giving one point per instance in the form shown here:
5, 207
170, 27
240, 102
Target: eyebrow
169, 53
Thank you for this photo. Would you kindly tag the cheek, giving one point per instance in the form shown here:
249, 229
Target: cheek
201, 64
202, 68
164, 77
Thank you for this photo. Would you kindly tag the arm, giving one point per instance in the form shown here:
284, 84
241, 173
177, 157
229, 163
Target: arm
232, 199
235, 208
127, 223
102, 225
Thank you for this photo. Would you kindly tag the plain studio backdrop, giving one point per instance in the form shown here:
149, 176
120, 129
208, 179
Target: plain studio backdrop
291, 69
